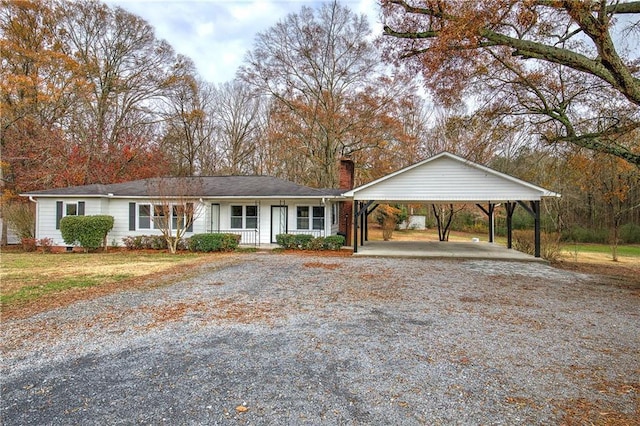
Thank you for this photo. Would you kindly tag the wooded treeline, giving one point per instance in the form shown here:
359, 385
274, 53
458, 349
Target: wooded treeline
90, 95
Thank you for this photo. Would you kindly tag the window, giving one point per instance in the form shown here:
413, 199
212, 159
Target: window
182, 216
71, 209
68, 209
236, 217
159, 217
252, 217
155, 216
75, 208
144, 216
317, 217
244, 217
302, 221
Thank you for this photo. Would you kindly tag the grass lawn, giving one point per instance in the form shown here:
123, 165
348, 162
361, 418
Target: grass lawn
28, 277
629, 250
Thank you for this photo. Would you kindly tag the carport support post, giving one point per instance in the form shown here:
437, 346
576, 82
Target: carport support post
491, 208
535, 205
362, 223
510, 209
355, 225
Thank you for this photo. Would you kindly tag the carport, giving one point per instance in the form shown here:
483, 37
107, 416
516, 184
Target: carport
449, 179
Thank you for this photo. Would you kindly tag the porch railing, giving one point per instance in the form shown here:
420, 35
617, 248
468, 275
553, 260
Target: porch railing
248, 237
315, 232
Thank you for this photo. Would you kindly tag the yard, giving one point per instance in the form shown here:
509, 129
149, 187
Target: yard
261, 338
33, 282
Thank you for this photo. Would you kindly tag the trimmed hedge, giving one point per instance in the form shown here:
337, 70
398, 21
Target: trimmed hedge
90, 232
214, 242
308, 242
147, 242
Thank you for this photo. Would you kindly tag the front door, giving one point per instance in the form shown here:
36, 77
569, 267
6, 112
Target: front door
215, 218
278, 221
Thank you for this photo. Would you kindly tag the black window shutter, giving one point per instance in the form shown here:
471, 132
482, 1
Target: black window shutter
58, 213
188, 216
132, 216
80, 208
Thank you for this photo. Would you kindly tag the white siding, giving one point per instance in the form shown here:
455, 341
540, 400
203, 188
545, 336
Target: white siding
119, 209
447, 180
46, 215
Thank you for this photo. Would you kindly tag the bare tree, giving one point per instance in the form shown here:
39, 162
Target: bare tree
125, 70
238, 117
444, 215
175, 206
188, 136
329, 85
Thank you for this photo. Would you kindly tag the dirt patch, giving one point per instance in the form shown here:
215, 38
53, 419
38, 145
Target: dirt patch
627, 275
329, 266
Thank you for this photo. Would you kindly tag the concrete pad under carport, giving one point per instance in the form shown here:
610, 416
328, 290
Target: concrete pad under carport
444, 250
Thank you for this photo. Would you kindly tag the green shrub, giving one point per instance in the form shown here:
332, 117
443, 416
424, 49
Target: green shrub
316, 244
578, 234
308, 242
294, 241
147, 242
285, 240
214, 242
334, 242
90, 232
630, 234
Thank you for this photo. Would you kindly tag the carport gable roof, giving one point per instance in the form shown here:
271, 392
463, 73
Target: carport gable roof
447, 178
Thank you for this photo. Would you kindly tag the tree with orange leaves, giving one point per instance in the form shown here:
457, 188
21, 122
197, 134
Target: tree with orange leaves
549, 60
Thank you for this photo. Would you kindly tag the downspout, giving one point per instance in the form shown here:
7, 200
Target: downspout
33, 200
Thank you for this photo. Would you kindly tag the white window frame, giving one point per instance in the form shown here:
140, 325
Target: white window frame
244, 216
149, 206
334, 213
65, 211
310, 210
152, 215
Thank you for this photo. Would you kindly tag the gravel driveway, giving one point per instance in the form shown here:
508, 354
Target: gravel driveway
283, 339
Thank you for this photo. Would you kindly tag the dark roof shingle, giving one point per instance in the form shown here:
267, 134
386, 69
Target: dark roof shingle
206, 186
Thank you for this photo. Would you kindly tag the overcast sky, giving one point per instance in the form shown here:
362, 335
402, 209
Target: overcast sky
216, 34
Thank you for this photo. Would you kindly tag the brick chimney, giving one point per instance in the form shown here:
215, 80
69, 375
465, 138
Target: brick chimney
345, 210
346, 174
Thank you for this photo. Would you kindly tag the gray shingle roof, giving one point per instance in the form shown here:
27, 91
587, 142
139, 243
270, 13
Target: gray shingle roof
206, 186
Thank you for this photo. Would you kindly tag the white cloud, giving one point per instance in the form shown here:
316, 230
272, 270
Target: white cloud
216, 34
